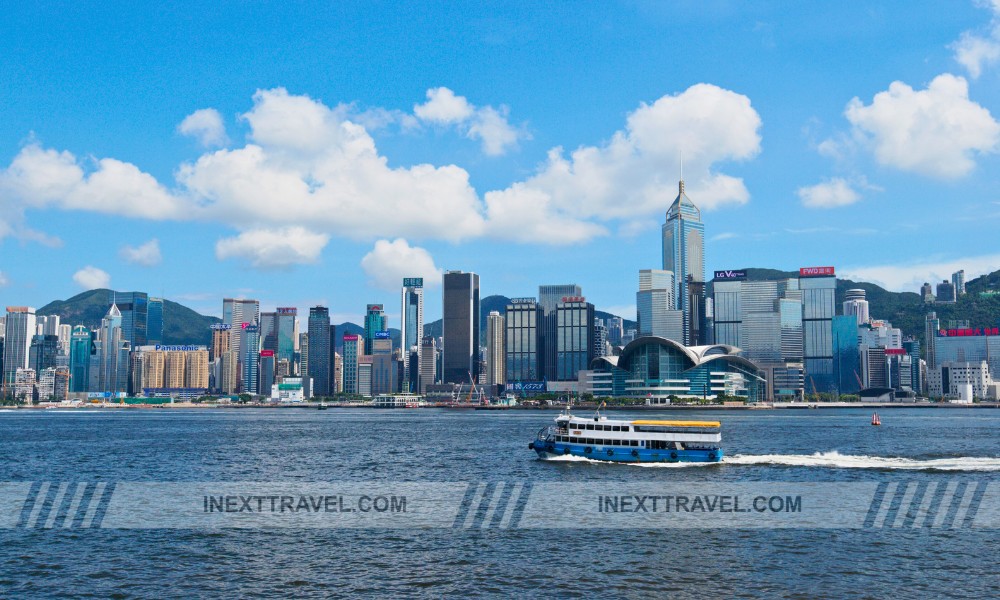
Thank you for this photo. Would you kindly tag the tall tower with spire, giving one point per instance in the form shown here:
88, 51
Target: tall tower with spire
684, 255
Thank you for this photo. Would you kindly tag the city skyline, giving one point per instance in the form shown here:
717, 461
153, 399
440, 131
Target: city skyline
828, 165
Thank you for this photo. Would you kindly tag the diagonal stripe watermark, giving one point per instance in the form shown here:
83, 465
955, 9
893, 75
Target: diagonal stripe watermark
956, 503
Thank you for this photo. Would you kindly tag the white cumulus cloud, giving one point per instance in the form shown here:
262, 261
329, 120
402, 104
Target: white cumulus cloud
633, 174
487, 124
144, 255
273, 248
92, 278
937, 131
908, 277
41, 178
205, 125
828, 194
389, 262
976, 50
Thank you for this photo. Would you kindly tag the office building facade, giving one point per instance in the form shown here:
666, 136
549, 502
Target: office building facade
523, 323
549, 297
684, 256
496, 371
353, 349
574, 337
411, 325
375, 322
460, 327
320, 350
818, 286
19, 328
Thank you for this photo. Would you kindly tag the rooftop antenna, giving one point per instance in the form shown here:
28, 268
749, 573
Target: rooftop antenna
680, 183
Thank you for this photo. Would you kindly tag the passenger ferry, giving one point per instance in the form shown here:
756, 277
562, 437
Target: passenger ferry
641, 441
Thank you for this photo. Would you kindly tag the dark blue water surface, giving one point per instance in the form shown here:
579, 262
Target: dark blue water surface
467, 446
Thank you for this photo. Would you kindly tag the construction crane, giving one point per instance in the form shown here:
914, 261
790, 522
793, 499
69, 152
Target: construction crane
472, 391
861, 386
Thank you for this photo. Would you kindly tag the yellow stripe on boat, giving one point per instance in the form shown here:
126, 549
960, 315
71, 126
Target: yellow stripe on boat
680, 423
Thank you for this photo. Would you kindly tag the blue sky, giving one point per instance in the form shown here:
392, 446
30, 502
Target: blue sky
305, 153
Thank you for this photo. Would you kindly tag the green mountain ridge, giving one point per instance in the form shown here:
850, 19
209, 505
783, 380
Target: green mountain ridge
181, 325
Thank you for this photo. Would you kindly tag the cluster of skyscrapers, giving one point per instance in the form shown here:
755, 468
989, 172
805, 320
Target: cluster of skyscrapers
777, 339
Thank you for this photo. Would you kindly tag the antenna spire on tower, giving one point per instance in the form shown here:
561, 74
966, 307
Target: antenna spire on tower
680, 182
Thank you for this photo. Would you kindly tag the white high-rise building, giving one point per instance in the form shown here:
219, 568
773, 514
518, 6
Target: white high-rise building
856, 304
411, 330
496, 368
18, 330
656, 306
240, 314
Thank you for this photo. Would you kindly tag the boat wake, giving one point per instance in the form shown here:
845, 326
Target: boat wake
580, 459
836, 460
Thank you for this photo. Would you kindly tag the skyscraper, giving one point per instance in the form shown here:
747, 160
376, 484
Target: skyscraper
284, 332
251, 344
818, 285
958, 280
134, 309
656, 308
574, 337
684, 254
18, 331
383, 374
523, 323
460, 327
80, 349
320, 349
856, 304
496, 370
374, 323
154, 321
115, 349
428, 363
353, 347
412, 321
236, 313
549, 297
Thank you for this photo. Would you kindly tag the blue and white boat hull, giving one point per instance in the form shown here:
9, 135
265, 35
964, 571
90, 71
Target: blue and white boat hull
548, 450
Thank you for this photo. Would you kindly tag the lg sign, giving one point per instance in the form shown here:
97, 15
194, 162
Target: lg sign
730, 274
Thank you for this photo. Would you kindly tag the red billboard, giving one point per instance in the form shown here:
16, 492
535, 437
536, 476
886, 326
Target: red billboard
816, 272
968, 332
351, 337
894, 351
266, 353
566, 299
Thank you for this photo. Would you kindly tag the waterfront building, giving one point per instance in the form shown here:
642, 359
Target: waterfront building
81, 348
460, 327
962, 381
238, 314
43, 352
227, 381
966, 345
846, 356
353, 350
912, 347
115, 350
656, 305
365, 375
818, 286
958, 281
496, 371
266, 370
134, 309
53, 384
855, 304
19, 328
549, 297
164, 371
304, 357
383, 373
375, 322
658, 370
411, 325
220, 341
251, 341
764, 320
428, 363
523, 326
684, 256
321, 350
23, 383
284, 321
574, 337
338, 373
154, 321
946, 292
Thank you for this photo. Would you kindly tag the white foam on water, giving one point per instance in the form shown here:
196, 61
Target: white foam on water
569, 458
836, 460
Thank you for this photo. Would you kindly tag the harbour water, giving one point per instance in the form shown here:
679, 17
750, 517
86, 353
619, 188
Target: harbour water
791, 447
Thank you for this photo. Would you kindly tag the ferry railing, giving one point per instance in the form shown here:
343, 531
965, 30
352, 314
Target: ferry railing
545, 433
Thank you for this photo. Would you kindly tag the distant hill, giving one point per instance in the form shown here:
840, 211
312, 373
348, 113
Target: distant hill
181, 325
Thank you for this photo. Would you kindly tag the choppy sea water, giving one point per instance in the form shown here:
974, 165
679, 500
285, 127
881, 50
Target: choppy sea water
811, 446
